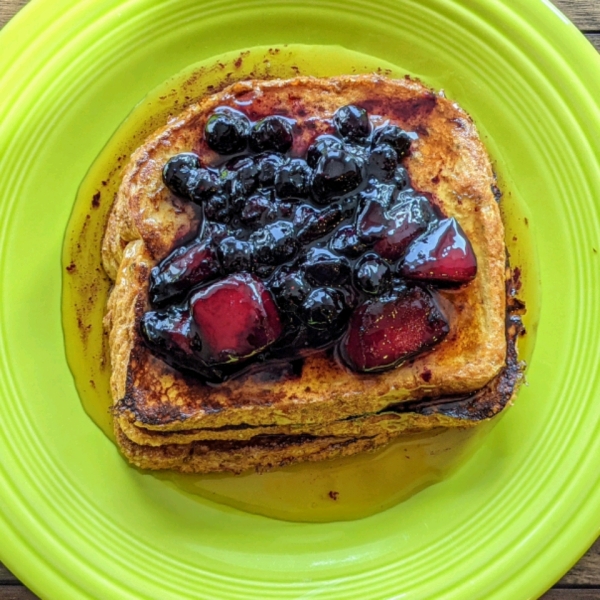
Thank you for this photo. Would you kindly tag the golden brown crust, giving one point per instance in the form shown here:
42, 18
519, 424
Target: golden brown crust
448, 161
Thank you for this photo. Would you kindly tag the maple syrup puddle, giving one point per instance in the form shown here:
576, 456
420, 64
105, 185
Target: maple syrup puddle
341, 489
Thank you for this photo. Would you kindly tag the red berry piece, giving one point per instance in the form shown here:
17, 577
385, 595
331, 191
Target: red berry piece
181, 270
386, 331
236, 318
442, 255
407, 221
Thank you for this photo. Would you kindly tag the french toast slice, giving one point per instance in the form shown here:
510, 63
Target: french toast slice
156, 405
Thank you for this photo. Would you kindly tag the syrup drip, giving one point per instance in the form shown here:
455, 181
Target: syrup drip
342, 489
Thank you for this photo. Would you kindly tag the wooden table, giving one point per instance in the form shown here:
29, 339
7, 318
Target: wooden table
582, 582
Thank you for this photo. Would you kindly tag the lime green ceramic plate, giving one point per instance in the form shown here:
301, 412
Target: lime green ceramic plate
76, 522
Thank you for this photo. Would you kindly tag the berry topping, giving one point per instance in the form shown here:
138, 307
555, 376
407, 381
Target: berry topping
320, 223
258, 207
442, 255
235, 255
227, 131
202, 185
217, 209
272, 134
321, 146
290, 289
398, 139
292, 179
268, 165
352, 123
275, 243
323, 267
245, 174
297, 254
345, 241
236, 318
383, 162
337, 173
323, 308
386, 331
179, 171
406, 221
373, 275
181, 270
168, 330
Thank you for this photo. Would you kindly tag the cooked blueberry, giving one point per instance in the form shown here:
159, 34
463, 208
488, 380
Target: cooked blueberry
321, 223
323, 308
235, 255
323, 267
352, 123
383, 161
179, 170
246, 172
337, 173
394, 136
373, 275
274, 243
346, 242
373, 221
227, 131
217, 209
292, 179
320, 146
203, 184
257, 208
272, 133
268, 165
290, 290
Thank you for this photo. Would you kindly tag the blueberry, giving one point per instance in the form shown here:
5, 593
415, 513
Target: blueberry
383, 161
337, 173
320, 146
246, 172
217, 209
203, 184
257, 208
275, 243
235, 255
352, 123
290, 290
323, 308
179, 170
227, 131
272, 133
398, 139
345, 241
372, 275
292, 179
323, 267
268, 165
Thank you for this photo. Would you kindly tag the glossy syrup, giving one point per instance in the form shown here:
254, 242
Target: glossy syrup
342, 489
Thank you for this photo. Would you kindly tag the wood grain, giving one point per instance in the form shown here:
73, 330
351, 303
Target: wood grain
584, 13
582, 582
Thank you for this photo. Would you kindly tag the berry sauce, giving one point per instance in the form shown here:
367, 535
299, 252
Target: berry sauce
297, 254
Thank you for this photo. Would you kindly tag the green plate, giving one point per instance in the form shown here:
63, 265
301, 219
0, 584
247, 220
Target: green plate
76, 522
